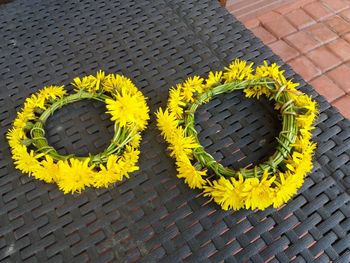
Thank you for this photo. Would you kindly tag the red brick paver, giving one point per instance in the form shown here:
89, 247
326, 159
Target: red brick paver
313, 36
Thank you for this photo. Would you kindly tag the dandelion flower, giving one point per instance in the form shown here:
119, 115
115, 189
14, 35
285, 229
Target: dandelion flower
214, 78
191, 86
26, 162
47, 171
257, 193
167, 123
238, 70
286, 188
176, 102
74, 175
192, 176
180, 144
128, 110
226, 192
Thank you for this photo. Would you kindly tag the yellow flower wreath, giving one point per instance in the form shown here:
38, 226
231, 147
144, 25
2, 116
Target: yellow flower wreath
32, 154
271, 183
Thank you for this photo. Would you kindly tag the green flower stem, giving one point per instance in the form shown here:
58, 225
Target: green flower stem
120, 139
285, 139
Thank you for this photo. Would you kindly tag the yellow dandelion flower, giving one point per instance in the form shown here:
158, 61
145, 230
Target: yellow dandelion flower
226, 192
108, 174
22, 119
136, 140
100, 76
24, 161
192, 86
129, 110
15, 136
257, 91
292, 86
287, 186
87, 83
117, 84
306, 102
34, 101
74, 175
105, 177
52, 92
176, 102
213, 80
271, 71
47, 171
167, 123
257, 193
130, 158
305, 121
238, 70
180, 144
192, 176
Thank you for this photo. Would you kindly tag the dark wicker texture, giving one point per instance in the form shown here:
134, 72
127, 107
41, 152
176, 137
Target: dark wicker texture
153, 216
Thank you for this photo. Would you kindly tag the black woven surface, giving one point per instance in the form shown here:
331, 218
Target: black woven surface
153, 216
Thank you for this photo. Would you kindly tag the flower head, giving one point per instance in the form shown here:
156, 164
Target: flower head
74, 175
181, 144
167, 123
226, 192
47, 170
238, 70
191, 86
258, 193
192, 176
115, 83
213, 79
129, 109
176, 101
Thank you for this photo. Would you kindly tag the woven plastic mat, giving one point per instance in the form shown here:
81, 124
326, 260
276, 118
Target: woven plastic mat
153, 216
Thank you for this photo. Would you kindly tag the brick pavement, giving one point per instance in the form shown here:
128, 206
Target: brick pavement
313, 36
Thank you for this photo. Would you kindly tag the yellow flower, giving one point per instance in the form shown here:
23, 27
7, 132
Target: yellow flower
213, 80
34, 101
108, 174
305, 121
257, 193
87, 83
100, 76
26, 162
192, 86
238, 70
47, 171
226, 192
15, 136
292, 86
166, 122
180, 144
52, 92
129, 110
119, 84
176, 102
74, 176
271, 71
130, 159
286, 188
136, 140
192, 176
22, 119
293, 160
306, 102
257, 91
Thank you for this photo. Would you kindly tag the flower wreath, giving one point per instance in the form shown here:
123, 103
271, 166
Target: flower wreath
273, 182
32, 154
